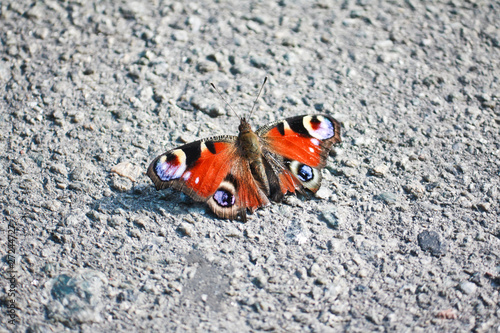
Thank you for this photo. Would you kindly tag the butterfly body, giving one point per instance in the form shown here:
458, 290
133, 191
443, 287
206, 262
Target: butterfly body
236, 173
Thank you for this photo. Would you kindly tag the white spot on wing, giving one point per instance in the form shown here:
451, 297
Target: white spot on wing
197, 180
186, 175
311, 150
286, 126
203, 147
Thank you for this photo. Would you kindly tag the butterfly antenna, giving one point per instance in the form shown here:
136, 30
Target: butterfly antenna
258, 95
215, 88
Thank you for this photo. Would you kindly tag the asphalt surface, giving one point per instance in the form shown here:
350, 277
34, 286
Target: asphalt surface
404, 234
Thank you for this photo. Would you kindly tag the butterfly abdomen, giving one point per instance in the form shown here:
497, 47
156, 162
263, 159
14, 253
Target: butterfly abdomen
251, 150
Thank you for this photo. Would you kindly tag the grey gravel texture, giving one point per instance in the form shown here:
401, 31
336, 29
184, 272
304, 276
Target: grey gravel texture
403, 236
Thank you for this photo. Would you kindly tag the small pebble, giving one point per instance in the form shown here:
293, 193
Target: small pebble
468, 288
180, 36
331, 218
380, 170
431, 241
127, 170
185, 229
388, 197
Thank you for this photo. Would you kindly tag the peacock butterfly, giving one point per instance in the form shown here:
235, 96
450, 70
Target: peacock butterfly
236, 173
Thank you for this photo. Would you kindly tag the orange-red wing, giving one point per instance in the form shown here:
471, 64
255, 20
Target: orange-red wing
196, 168
294, 146
210, 170
249, 194
288, 182
306, 139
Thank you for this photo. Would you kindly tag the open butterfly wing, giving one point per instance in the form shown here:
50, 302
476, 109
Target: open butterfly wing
210, 170
299, 146
196, 168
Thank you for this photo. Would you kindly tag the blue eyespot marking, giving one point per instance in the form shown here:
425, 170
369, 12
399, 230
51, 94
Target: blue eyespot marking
224, 198
305, 173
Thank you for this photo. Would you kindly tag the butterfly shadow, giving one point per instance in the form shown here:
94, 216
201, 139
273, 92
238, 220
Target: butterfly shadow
142, 202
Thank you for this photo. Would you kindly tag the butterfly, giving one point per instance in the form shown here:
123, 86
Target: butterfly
233, 174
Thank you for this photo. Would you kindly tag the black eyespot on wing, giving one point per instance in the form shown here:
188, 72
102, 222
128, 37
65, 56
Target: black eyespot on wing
321, 128
193, 153
169, 169
224, 198
308, 176
314, 119
281, 128
305, 173
210, 146
297, 125
171, 158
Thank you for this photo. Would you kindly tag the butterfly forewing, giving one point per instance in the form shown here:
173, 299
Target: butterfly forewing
300, 145
196, 168
306, 139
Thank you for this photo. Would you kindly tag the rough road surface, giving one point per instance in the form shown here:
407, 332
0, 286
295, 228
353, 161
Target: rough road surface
403, 236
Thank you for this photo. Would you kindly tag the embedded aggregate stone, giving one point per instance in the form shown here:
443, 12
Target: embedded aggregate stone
431, 241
